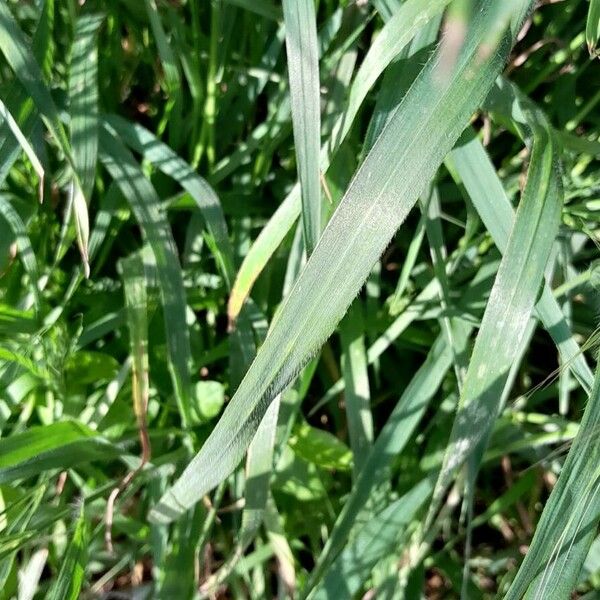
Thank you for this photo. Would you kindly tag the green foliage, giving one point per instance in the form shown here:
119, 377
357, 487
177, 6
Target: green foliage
299, 299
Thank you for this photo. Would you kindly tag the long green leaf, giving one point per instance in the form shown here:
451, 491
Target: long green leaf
396, 34
357, 396
471, 163
378, 200
83, 94
159, 154
303, 68
57, 446
515, 291
145, 204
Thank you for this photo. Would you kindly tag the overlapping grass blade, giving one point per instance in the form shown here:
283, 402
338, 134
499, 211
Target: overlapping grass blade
17, 99
413, 16
518, 282
10, 122
376, 539
23, 242
163, 158
145, 204
471, 163
303, 69
259, 468
378, 200
392, 439
18, 527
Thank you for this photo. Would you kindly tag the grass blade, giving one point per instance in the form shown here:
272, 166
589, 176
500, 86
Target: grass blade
413, 16
568, 523
145, 204
23, 245
519, 279
376, 539
67, 585
25, 145
592, 29
57, 446
378, 200
159, 154
83, 95
356, 377
303, 68
471, 163
20, 57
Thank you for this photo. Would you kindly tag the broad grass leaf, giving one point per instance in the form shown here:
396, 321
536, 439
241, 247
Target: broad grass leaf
56, 446
83, 97
376, 203
411, 18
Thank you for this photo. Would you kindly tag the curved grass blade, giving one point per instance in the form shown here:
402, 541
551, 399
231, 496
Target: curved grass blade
511, 303
145, 204
163, 158
376, 203
303, 69
396, 34
471, 163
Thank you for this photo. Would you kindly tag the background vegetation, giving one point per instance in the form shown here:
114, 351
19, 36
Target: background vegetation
299, 299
